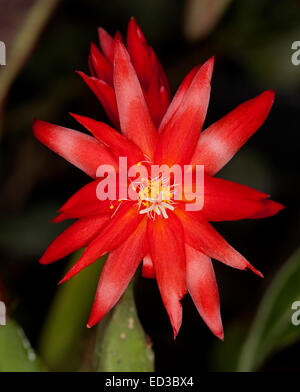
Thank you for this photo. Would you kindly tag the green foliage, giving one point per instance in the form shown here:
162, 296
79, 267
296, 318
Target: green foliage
16, 353
65, 327
24, 39
122, 346
272, 328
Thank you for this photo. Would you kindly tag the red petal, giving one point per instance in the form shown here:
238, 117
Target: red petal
117, 231
178, 97
121, 146
166, 244
164, 100
139, 52
118, 270
106, 95
269, 208
202, 286
226, 200
218, 189
101, 65
75, 237
83, 151
219, 143
202, 236
179, 138
135, 120
153, 97
107, 44
87, 209
86, 194
148, 268
218, 209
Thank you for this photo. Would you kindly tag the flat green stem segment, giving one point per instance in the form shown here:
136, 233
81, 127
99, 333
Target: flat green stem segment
16, 353
121, 344
272, 328
24, 41
62, 340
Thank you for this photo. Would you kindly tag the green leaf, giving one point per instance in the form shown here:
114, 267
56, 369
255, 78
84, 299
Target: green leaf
65, 327
16, 353
121, 344
20, 44
272, 329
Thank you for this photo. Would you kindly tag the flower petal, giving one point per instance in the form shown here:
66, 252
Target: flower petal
185, 126
117, 231
219, 143
118, 270
107, 44
87, 209
120, 145
226, 200
217, 189
75, 237
86, 194
139, 52
178, 97
102, 67
83, 151
166, 245
202, 236
148, 268
269, 208
202, 286
106, 95
135, 119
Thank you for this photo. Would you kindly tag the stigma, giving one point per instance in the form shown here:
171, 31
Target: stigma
156, 196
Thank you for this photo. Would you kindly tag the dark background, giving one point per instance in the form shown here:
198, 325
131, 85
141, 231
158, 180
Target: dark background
252, 43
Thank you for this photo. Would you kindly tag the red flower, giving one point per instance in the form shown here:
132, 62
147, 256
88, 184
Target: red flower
176, 246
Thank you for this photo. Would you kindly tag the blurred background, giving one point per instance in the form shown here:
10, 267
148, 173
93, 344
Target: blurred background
46, 42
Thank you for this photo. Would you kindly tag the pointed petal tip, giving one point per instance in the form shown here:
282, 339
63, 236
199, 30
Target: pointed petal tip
274, 207
254, 270
54, 220
132, 24
63, 280
93, 47
68, 276
175, 333
43, 260
270, 94
101, 31
92, 321
269, 208
220, 334
118, 37
209, 64
120, 47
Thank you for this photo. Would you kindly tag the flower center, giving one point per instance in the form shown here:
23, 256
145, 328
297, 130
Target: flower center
155, 197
